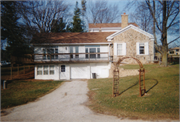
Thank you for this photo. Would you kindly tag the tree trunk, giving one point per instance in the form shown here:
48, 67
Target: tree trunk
164, 55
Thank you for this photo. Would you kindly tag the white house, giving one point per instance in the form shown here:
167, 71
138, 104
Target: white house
79, 55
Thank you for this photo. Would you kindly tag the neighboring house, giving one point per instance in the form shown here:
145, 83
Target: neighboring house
174, 51
110, 27
79, 55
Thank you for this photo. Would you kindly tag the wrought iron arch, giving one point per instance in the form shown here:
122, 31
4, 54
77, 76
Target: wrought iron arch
142, 89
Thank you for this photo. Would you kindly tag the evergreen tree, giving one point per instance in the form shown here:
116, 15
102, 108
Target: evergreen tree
11, 31
77, 23
58, 26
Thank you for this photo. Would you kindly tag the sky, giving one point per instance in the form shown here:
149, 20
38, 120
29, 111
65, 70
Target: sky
121, 4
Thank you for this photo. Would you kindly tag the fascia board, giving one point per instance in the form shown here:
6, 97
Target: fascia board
104, 43
128, 27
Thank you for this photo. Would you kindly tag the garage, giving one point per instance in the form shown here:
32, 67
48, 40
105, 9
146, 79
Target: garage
80, 71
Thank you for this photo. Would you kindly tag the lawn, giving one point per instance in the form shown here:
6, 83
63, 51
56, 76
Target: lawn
160, 102
21, 92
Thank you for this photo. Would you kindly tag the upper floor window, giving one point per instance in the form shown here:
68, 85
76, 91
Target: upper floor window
93, 50
48, 53
74, 49
177, 50
142, 48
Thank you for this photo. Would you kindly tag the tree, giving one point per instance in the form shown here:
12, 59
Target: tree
103, 12
42, 14
141, 16
11, 30
77, 23
165, 19
58, 26
83, 4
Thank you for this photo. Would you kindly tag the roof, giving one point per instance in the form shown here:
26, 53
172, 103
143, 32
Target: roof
103, 25
68, 37
174, 48
130, 27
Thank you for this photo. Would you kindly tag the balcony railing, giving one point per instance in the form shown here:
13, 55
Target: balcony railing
72, 57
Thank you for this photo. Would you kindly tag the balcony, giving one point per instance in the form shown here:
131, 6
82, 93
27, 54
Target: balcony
72, 58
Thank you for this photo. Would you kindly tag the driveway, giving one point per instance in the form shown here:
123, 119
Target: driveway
65, 104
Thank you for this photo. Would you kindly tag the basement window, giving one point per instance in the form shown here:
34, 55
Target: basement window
51, 70
39, 70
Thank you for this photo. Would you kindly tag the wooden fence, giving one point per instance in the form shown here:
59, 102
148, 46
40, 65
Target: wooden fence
17, 72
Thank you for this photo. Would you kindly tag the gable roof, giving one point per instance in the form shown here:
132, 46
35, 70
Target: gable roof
67, 37
104, 25
130, 27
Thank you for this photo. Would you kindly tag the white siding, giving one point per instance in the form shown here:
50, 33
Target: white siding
38, 50
48, 77
64, 75
82, 50
104, 48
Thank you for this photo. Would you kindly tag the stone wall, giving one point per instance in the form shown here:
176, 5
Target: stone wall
131, 37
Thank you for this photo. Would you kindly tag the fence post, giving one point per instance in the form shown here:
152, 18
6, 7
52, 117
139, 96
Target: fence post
24, 69
11, 71
18, 69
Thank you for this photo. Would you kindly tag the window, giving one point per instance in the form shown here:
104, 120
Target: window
63, 68
77, 51
92, 49
119, 49
141, 48
39, 70
171, 52
86, 52
98, 50
46, 70
177, 50
72, 49
51, 70
47, 53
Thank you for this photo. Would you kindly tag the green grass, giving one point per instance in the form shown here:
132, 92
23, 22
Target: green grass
21, 92
160, 102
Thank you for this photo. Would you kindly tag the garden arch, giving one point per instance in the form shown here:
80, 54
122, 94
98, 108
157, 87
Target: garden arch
142, 89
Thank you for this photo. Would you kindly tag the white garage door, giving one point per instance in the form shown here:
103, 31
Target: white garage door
80, 72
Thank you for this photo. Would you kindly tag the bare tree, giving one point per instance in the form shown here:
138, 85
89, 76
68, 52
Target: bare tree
165, 19
102, 12
141, 16
41, 14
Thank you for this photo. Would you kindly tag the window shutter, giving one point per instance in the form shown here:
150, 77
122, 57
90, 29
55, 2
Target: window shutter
137, 48
115, 48
146, 48
124, 48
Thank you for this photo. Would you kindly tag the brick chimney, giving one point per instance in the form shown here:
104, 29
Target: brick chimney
124, 20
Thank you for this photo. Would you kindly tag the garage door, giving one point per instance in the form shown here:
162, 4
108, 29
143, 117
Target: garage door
80, 72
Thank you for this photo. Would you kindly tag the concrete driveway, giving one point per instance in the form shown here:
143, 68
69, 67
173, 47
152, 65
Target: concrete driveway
65, 104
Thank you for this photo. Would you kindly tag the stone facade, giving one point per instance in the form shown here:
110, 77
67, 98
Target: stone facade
131, 37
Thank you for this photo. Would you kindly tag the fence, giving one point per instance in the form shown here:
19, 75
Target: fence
17, 72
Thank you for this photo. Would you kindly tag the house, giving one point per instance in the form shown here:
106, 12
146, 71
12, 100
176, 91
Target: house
174, 51
79, 55
110, 27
